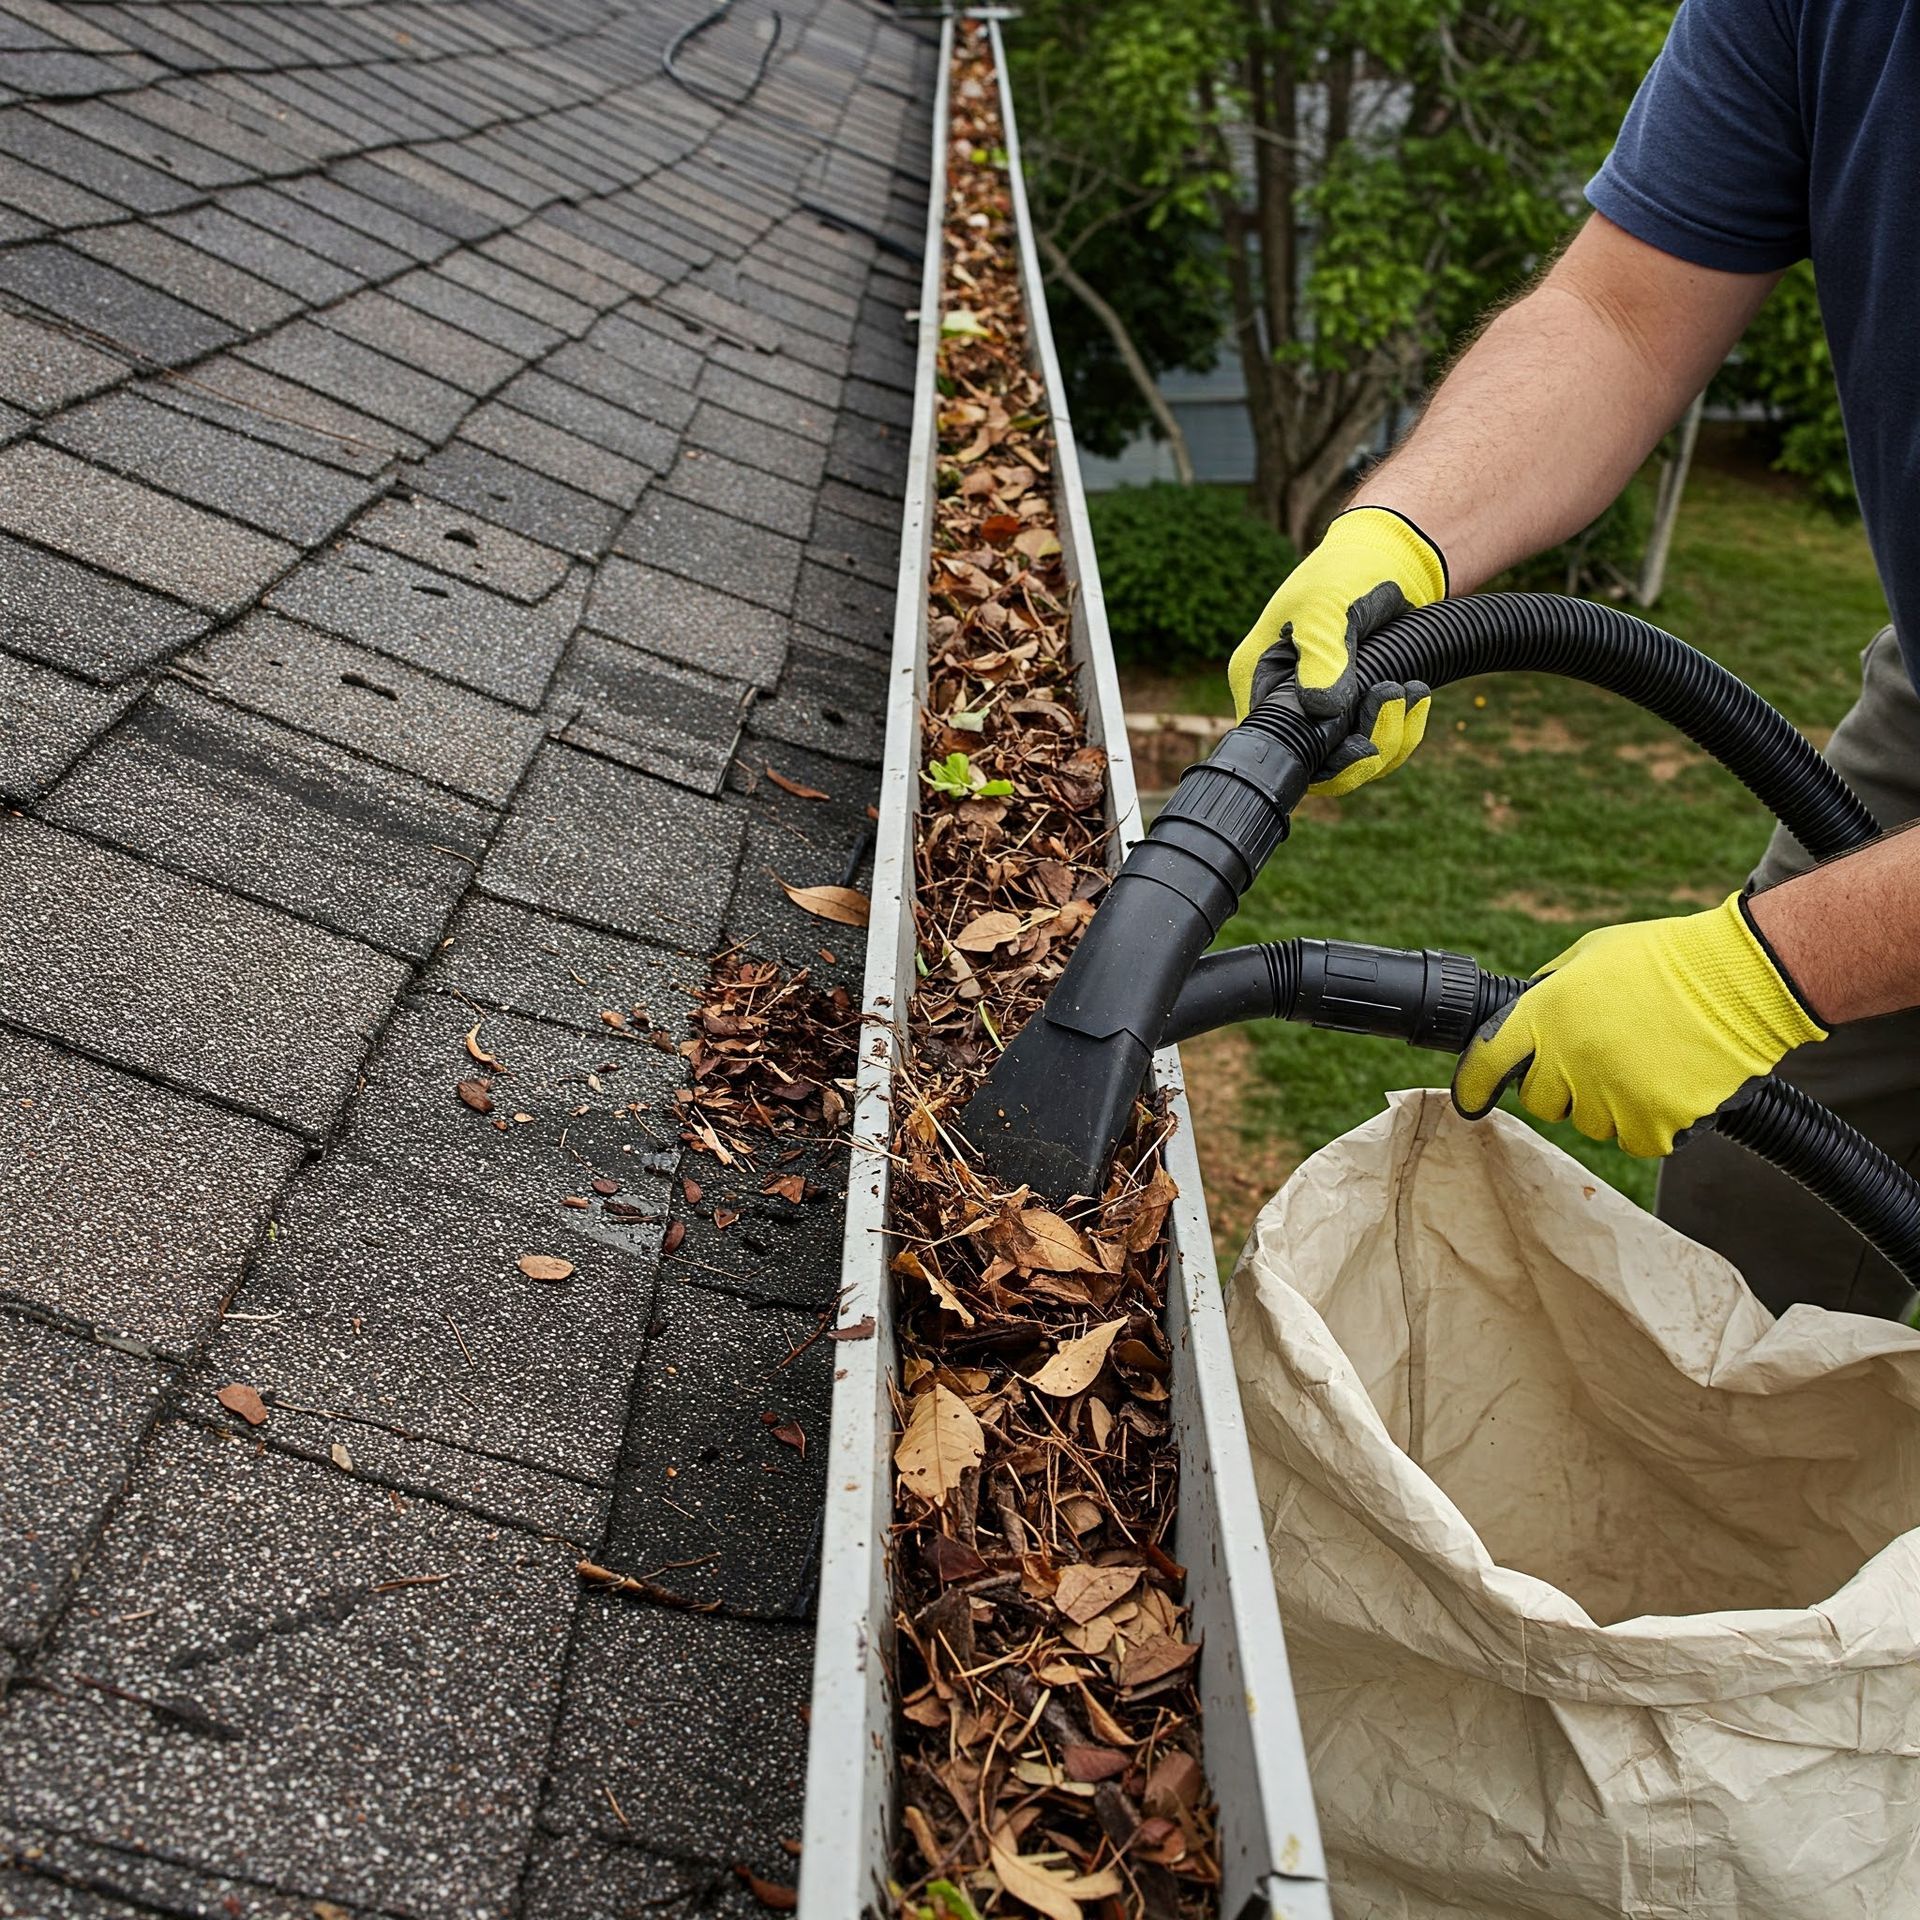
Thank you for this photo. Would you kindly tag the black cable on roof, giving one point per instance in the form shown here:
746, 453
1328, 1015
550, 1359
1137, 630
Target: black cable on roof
695, 88
845, 221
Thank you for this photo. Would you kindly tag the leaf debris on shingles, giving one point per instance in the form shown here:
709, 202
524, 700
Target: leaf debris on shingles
794, 787
845, 906
245, 1401
772, 1059
1045, 1657
770, 1893
479, 1053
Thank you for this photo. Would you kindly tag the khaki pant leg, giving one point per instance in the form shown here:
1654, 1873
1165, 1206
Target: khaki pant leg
1787, 1244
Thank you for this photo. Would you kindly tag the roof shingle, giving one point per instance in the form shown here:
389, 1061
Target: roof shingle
432, 441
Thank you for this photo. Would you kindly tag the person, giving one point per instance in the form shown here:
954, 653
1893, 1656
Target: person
1767, 131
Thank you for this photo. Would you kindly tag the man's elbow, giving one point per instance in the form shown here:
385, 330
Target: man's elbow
1677, 321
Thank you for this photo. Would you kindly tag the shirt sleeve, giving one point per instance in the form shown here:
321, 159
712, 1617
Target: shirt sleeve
1711, 163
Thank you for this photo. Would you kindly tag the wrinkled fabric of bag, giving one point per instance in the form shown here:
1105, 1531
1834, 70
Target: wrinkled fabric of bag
1599, 1583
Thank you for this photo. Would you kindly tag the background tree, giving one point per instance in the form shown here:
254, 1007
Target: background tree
1784, 368
1351, 185
1122, 207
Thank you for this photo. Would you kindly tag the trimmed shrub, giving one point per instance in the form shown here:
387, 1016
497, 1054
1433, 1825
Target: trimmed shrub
1186, 570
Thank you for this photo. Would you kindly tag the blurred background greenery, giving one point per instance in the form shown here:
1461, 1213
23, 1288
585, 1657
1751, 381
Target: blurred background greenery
1269, 230
1320, 203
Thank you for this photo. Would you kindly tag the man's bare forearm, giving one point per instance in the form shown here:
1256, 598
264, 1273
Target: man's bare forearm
1849, 932
1546, 417
1538, 427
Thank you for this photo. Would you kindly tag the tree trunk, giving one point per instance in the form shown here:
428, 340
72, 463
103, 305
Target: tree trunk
1264, 255
1063, 269
1673, 483
1257, 369
1333, 415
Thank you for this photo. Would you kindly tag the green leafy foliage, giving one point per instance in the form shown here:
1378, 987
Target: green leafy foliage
1411, 165
945, 1901
1423, 221
959, 779
1785, 366
1185, 570
1110, 130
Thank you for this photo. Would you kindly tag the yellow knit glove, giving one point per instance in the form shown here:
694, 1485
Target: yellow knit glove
1640, 1031
1371, 566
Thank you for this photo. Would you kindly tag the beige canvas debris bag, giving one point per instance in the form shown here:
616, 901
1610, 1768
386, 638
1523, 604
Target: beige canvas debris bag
1598, 1581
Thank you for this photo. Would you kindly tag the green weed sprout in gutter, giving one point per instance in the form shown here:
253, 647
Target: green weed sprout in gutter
957, 777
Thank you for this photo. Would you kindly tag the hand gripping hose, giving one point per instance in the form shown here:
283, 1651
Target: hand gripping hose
1439, 1000
1056, 1103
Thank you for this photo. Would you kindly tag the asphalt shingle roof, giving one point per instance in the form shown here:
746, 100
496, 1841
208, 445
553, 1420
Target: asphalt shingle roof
443, 458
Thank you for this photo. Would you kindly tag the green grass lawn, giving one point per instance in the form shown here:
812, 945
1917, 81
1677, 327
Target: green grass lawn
1540, 808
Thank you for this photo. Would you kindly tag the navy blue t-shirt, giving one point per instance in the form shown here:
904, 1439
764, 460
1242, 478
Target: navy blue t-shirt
1769, 130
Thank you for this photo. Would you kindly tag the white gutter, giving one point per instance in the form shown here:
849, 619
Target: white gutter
1271, 1858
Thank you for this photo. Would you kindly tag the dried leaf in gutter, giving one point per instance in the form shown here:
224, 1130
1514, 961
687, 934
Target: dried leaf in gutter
1093, 1763
989, 930
1036, 1238
1149, 1211
908, 1262
1174, 1785
545, 1266
1085, 1591
1154, 1659
942, 1442
953, 1559
1050, 1890
1077, 1364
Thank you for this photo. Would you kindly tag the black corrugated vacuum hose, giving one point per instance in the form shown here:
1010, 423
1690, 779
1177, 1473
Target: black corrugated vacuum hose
1720, 714
1438, 1000
1056, 1103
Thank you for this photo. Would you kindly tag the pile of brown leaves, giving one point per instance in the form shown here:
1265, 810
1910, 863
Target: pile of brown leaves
771, 1059
1051, 1748
770, 1053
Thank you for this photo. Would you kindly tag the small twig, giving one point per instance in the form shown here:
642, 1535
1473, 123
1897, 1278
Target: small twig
826, 1320
458, 1335
613, 1582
